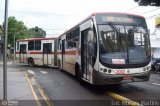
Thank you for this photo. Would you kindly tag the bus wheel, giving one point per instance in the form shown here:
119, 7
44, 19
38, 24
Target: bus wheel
31, 62
79, 76
157, 69
59, 65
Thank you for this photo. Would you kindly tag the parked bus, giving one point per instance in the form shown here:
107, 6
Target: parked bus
36, 51
107, 48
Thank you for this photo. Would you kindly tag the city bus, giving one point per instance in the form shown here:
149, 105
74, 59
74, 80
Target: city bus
36, 51
106, 48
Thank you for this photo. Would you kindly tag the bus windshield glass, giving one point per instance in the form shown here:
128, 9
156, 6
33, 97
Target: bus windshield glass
123, 43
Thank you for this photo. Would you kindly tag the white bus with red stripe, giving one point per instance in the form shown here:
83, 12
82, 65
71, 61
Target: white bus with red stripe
107, 48
36, 51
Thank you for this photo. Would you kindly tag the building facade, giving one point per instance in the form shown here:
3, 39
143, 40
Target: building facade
155, 39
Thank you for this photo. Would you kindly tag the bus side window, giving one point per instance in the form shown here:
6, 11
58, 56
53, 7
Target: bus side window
37, 45
47, 47
60, 46
18, 45
31, 45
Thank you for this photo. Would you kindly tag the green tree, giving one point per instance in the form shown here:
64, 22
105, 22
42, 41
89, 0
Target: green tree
20, 31
148, 2
18, 28
37, 32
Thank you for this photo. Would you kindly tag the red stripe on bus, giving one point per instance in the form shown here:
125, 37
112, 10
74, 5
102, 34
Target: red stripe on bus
70, 52
34, 53
59, 52
73, 52
17, 52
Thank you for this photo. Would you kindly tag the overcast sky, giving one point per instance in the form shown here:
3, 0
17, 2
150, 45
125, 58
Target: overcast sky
56, 16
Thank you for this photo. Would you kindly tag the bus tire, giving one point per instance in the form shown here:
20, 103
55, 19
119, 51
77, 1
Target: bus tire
157, 68
79, 76
59, 65
153, 68
31, 62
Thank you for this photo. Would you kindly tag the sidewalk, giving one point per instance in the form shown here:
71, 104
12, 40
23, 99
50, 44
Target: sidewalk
17, 86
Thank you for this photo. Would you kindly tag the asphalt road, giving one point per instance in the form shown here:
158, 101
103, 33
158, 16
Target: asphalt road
63, 88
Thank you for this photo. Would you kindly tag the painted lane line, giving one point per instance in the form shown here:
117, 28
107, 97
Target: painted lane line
32, 90
43, 72
123, 99
45, 97
156, 84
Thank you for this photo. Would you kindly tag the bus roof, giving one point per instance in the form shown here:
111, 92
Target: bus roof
123, 13
96, 13
29, 39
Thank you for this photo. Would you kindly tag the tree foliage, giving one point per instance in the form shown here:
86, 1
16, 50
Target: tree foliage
16, 28
20, 31
148, 2
37, 33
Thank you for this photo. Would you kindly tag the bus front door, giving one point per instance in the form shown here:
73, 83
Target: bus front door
22, 54
86, 54
47, 54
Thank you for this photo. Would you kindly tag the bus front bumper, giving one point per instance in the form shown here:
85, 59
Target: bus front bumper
106, 79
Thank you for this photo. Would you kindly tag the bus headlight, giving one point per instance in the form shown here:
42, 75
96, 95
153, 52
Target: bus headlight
148, 67
109, 71
105, 70
101, 69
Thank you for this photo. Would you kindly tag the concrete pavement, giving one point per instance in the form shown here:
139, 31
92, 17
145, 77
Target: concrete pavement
18, 89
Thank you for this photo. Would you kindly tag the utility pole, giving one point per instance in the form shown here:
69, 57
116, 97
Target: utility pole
14, 47
4, 102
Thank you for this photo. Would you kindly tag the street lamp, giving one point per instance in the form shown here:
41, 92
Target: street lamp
14, 47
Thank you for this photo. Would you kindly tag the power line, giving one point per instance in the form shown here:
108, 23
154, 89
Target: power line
54, 29
153, 16
131, 8
53, 34
150, 11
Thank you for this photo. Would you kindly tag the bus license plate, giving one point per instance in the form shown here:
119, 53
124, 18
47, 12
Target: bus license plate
127, 78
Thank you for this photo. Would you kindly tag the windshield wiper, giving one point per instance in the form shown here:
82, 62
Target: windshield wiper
114, 27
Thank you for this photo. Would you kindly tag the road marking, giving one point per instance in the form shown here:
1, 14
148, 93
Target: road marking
155, 83
32, 82
43, 72
125, 101
30, 72
45, 97
32, 90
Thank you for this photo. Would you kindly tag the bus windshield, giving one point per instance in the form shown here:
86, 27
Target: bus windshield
123, 44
